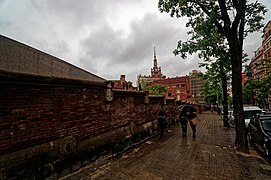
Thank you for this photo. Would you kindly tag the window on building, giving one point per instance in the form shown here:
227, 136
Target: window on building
177, 85
169, 93
183, 85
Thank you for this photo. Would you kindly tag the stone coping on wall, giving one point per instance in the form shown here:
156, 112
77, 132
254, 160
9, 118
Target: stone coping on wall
156, 96
18, 57
128, 93
13, 77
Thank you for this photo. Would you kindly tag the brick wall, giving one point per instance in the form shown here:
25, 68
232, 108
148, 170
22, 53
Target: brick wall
49, 125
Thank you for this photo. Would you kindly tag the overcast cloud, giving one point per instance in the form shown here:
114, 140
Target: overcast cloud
105, 37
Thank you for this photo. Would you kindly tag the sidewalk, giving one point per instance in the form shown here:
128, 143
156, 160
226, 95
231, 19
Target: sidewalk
211, 155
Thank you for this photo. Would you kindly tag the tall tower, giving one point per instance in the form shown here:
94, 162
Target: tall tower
155, 71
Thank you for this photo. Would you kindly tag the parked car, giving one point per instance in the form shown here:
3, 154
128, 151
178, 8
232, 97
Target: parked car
259, 133
266, 112
249, 112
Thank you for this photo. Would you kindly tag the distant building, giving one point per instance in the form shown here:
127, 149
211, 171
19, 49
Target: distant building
255, 64
262, 55
156, 74
177, 87
182, 88
197, 87
122, 84
266, 41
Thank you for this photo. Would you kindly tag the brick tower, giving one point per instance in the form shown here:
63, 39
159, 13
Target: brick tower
155, 71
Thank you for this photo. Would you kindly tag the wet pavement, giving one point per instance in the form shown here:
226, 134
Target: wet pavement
211, 155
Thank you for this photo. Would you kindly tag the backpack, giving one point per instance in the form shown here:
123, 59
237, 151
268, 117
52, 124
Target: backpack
161, 120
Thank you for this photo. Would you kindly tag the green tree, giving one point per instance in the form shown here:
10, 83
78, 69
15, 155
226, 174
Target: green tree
249, 92
263, 91
211, 92
257, 91
156, 89
216, 77
233, 20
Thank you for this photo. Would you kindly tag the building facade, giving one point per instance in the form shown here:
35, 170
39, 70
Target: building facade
262, 55
181, 88
197, 87
261, 62
177, 87
266, 41
255, 64
122, 84
156, 74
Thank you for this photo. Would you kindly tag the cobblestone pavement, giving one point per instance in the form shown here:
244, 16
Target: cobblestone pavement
211, 155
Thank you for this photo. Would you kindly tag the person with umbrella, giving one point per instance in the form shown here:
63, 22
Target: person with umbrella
187, 113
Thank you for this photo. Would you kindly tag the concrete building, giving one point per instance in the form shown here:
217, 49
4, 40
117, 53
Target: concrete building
261, 61
262, 55
255, 64
197, 87
266, 41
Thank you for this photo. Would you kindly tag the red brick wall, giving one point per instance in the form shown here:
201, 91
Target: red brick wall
34, 112
42, 115
127, 107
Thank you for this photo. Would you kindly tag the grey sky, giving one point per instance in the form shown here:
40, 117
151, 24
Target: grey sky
105, 37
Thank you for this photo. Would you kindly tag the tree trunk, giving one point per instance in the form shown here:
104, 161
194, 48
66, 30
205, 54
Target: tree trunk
224, 95
236, 60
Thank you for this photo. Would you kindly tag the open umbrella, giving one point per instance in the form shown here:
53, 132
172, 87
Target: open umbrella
186, 108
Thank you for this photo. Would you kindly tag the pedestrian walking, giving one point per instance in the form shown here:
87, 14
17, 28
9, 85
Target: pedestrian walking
161, 123
187, 115
212, 108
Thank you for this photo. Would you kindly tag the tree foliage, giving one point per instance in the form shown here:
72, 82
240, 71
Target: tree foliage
232, 20
212, 88
156, 89
257, 91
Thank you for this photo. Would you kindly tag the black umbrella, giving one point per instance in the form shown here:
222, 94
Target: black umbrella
186, 108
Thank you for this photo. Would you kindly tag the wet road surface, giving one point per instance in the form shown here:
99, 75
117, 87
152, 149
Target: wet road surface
211, 155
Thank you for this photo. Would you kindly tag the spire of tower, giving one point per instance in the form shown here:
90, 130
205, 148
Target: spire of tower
154, 60
155, 71
154, 53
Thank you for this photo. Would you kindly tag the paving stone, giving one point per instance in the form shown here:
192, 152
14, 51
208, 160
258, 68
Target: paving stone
211, 155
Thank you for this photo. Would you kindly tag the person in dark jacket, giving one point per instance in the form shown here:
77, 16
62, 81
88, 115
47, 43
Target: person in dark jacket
185, 117
161, 123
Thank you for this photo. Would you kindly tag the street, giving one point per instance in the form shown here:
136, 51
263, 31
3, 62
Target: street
211, 155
